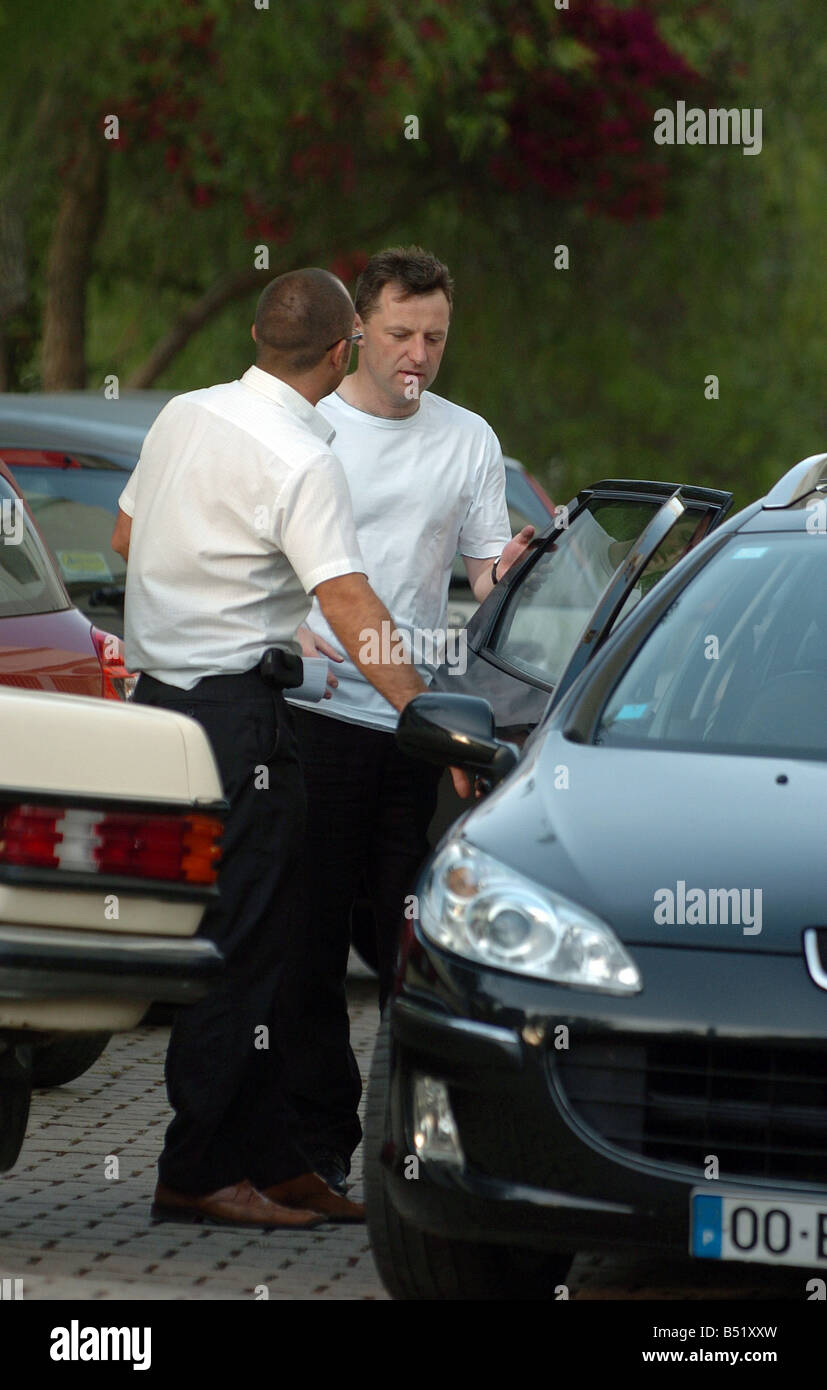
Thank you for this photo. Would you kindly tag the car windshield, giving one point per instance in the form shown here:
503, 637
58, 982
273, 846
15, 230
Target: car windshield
738, 663
28, 583
75, 509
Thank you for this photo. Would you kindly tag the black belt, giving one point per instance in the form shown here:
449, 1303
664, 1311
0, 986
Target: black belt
277, 670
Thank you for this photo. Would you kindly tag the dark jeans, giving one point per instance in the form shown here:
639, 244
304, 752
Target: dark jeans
369, 808
232, 1119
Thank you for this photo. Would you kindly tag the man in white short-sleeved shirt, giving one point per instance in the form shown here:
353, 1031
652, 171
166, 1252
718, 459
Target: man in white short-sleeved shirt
427, 479
236, 514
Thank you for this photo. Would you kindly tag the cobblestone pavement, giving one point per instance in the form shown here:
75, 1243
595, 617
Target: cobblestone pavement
69, 1231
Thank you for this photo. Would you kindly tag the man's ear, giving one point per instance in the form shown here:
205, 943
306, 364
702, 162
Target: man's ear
340, 355
253, 333
358, 324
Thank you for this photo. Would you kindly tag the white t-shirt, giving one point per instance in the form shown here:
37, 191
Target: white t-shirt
238, 510
422, 487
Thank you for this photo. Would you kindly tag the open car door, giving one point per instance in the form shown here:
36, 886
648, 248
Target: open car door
542, 623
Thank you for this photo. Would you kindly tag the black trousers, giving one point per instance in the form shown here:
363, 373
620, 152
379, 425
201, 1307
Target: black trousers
232, 1118
369, 807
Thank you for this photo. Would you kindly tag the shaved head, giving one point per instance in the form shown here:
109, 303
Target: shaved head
298, 317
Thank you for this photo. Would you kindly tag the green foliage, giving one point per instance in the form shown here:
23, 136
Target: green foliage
284, 127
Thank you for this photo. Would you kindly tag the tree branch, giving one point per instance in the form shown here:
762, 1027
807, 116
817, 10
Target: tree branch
231, 286
235, 285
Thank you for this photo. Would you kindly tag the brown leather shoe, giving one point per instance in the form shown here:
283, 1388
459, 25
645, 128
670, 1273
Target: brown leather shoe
242, 1205
312, 1193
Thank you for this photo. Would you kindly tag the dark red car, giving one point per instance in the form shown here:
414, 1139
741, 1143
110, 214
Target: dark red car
45, 642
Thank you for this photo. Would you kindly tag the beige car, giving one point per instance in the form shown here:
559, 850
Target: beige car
110, 823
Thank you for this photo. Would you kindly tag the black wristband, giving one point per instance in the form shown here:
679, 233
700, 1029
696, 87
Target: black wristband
494, 579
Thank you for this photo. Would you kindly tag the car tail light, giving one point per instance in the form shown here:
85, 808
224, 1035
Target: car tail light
40, 458
118, 683
181, 847
174, 848
29, 835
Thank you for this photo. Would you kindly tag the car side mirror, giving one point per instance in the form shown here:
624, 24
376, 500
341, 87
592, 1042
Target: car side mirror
455, 731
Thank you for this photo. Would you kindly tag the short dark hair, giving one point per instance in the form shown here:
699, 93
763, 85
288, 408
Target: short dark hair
414, 270
298, 316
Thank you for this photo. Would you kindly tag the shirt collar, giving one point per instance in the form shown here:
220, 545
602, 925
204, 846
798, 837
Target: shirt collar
278, 391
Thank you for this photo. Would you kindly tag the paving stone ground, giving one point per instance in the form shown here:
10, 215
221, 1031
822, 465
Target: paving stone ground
69, 1232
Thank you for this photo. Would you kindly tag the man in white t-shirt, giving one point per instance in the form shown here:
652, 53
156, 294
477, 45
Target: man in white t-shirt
426, 479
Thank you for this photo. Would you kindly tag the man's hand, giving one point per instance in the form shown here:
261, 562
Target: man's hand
515, 550
479, 571
314, 645
461, 781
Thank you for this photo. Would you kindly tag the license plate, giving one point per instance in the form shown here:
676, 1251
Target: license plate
735, 1226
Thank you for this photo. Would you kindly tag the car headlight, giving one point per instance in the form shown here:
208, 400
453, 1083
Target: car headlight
481, 909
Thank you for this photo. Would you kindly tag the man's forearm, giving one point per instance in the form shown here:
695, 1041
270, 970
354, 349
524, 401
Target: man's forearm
483, 586
479, 576
352, 609
122, 534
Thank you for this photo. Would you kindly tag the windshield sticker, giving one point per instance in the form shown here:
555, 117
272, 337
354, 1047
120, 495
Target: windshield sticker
83, 564
750, 552
631, 712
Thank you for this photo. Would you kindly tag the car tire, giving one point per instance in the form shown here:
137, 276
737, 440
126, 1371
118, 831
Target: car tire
66, 1058
15, 1095
415, 1265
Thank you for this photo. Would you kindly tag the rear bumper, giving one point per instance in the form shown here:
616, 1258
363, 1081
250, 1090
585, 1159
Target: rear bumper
51, 963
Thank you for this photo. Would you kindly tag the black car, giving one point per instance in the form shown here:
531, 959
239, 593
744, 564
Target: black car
610, 1028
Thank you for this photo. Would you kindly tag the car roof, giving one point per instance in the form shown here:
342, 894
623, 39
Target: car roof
792, 503
87, 420
799, 483
80, 420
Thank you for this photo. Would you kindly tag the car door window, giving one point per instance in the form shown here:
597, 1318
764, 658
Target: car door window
548, 611
685, 534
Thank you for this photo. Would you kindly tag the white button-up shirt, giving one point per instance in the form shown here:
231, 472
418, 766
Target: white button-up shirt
239, 509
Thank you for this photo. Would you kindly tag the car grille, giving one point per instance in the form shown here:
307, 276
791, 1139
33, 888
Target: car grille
762, 1111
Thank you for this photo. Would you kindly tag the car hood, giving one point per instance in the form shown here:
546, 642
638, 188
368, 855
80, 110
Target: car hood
96, 747
630, 834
